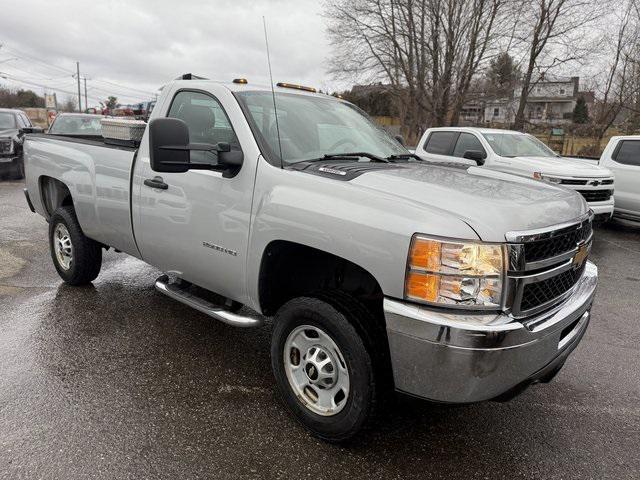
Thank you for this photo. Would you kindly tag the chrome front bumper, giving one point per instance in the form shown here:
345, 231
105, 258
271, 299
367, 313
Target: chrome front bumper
603, 209
446, 358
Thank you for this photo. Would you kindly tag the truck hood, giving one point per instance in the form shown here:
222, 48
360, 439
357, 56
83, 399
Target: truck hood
8, 132
561, 166
490, 202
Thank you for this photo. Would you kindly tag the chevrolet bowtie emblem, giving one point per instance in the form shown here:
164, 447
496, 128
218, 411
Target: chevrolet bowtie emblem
581, 256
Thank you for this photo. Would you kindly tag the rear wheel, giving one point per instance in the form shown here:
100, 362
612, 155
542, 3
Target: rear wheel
77, 258
324, 368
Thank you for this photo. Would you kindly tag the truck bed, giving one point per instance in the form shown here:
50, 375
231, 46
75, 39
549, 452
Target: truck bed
98, 176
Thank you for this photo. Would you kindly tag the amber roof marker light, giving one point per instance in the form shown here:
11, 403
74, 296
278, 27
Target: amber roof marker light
241, 81
296, 87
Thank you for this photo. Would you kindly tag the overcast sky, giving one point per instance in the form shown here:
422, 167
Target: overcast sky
139, 45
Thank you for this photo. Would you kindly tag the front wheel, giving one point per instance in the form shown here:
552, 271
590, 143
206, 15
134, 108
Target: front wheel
17, 172
76, 257
323, 368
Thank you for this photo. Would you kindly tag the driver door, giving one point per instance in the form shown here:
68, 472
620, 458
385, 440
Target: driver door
195, 224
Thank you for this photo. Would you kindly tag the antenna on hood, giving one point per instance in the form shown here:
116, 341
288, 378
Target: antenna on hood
273, 93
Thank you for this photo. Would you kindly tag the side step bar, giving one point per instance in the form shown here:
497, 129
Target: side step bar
172, 290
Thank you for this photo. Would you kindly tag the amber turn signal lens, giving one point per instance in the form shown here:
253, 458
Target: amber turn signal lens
425, 254
422, 286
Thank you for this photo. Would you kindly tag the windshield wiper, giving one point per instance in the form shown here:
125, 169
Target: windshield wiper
404, 156
349, 155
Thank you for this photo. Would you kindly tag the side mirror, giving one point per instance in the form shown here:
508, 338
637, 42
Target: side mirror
400, 140
170, 149
168, 142
24, 130
475, 155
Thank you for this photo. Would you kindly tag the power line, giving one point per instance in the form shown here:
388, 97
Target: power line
147, 92
69, 72
15, 79
36, 59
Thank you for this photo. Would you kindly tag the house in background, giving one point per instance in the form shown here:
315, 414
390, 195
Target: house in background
550, 102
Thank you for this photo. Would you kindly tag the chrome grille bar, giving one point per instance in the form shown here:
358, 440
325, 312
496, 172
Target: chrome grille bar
522, 272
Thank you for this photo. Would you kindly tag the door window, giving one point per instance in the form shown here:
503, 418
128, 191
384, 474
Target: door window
628, 153
466, 142
440, 143
25, 119
206, 120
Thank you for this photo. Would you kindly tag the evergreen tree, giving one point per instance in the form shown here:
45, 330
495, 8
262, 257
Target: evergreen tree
581, 111
502, 75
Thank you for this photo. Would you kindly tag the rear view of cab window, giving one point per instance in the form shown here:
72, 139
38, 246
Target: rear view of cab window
628, 153
440, 142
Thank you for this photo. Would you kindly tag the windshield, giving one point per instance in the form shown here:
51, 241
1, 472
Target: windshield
7, 120
311, 127
76, 125
518, 145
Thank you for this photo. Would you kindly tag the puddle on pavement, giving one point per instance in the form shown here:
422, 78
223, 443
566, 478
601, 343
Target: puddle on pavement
10, 264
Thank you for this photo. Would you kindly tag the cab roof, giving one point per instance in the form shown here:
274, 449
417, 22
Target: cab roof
477, 130
240, 87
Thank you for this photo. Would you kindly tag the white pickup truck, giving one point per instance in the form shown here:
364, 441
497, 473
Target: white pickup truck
380, 270
520, 154
622, 157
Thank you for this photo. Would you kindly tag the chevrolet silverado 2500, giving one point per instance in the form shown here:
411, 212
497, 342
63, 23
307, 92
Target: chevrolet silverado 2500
381, 270
520, 154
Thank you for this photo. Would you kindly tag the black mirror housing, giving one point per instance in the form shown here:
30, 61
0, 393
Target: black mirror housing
400, 140
25, 130
170, 150
168, 145
475, 155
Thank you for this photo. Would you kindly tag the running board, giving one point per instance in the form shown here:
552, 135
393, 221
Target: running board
174, 291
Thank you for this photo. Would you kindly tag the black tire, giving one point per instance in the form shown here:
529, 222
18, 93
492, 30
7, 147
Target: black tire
341, 321
18, 171
86, 260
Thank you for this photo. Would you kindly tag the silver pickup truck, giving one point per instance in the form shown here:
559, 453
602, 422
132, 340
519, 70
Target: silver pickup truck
382, 271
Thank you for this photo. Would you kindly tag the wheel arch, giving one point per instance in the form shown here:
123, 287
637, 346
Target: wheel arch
54, 194
290, 269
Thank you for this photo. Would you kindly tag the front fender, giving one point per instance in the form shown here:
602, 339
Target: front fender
368, 228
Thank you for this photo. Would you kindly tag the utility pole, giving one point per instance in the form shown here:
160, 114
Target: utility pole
86, 103
79, 95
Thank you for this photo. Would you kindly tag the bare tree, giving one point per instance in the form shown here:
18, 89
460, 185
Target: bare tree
552, 33
428, 50
69, 104
618, 87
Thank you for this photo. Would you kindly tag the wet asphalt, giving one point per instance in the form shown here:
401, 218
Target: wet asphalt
116, 381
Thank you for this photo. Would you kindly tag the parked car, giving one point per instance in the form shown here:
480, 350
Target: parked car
142, 111
622, 157
381, 270
77, 124
13, 125
520, 154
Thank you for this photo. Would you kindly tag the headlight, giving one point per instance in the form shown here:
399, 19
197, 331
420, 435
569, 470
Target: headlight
546, 178
6, 145
455, 273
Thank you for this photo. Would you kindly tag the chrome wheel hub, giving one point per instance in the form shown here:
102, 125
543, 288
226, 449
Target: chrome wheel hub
62, 246
316, 370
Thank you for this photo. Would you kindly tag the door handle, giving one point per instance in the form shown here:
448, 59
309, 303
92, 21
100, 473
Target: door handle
156, 182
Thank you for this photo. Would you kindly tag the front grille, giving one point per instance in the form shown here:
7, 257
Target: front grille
596, 195
557, 245
568, 181
540, 293
541, 270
